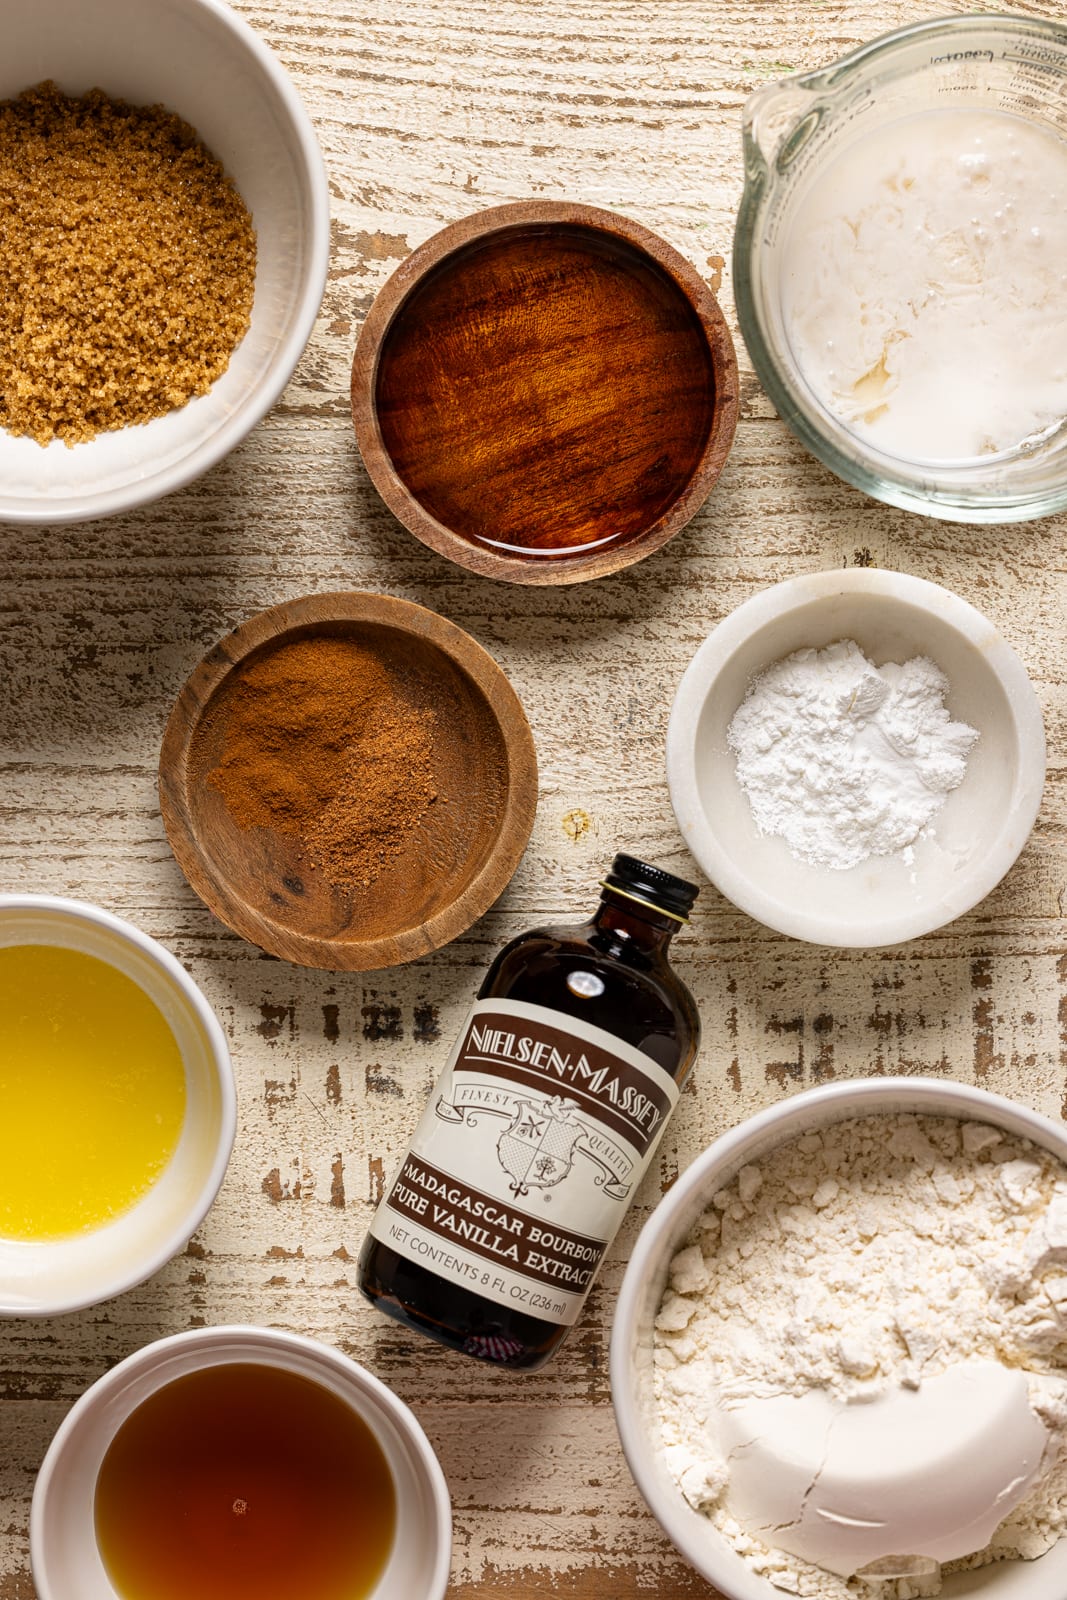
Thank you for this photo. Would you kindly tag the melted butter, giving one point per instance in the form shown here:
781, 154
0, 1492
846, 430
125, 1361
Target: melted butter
92, 1092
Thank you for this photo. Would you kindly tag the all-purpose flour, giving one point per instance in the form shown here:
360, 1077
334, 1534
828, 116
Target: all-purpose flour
846, 760
857, 1262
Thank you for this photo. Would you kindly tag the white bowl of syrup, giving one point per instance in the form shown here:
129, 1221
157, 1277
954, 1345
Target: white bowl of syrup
236, 1462
119, 1105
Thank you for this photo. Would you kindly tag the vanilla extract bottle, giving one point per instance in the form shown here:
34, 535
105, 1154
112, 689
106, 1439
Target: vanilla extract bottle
540, 1128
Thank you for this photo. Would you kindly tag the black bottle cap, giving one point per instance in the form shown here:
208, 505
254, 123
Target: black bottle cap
638, 881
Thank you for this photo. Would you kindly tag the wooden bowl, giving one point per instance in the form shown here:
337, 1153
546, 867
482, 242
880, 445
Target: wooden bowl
262, 882
544, 392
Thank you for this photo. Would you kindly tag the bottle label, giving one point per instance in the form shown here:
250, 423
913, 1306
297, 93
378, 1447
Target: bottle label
527, 1157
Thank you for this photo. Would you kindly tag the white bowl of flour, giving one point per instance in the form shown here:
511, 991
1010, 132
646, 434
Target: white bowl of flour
855, 757
842, 1324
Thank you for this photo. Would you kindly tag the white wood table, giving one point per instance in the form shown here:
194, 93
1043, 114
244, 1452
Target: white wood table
427, 111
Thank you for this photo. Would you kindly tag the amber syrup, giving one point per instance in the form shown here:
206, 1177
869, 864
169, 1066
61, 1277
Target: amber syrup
240, 1481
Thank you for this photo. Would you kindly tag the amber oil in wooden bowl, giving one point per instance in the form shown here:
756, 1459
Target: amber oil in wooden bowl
544, 392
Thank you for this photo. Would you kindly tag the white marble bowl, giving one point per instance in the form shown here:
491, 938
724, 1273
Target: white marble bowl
202, 61
664, 1233
974, 838
65, 1558
48, 1276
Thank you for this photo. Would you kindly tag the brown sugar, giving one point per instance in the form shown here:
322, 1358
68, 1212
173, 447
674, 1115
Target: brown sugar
324, 742
127, 265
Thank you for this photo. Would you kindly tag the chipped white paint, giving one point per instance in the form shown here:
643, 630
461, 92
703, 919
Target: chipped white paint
427, 112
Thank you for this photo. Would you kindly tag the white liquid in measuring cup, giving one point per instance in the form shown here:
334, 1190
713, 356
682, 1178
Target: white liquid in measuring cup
924, 286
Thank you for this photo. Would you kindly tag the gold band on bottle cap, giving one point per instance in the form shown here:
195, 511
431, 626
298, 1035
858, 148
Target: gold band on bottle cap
640, 901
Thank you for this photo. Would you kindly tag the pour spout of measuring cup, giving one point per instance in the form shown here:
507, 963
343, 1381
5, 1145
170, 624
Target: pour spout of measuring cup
768, 116
777, 121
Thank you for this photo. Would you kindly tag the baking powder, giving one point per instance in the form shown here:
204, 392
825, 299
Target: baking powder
846, 760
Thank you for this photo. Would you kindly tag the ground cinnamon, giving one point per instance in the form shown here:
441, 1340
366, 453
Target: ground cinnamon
326, 743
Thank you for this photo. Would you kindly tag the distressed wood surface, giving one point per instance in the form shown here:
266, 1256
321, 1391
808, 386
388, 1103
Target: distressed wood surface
427, 112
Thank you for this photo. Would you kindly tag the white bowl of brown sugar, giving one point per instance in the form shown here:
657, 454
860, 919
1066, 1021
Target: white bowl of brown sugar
164, 237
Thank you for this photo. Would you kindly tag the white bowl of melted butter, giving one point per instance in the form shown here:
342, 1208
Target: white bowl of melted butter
118, 1102
900, 264
930, 1456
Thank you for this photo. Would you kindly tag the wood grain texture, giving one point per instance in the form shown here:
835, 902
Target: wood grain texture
545, 392
427, 113
443, 873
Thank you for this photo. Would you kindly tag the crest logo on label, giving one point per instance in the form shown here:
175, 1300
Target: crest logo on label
536, 1149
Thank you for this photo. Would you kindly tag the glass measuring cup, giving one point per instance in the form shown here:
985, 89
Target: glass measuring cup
791, 130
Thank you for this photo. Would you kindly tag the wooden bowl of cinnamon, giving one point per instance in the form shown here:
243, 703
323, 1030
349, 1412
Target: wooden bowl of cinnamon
348, 781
